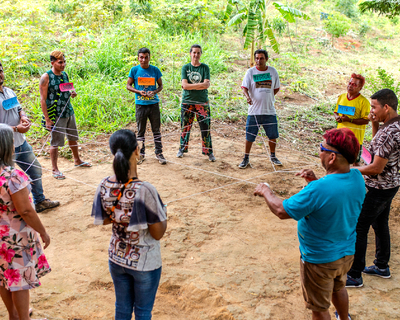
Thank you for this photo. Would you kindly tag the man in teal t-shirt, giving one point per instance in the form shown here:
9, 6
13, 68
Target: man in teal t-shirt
145, 81
327, 211
195, 82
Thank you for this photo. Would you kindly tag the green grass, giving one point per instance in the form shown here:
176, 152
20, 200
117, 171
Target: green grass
101, 47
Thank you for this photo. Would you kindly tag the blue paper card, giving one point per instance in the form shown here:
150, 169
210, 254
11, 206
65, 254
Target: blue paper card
10, 103
261, 77
346, 110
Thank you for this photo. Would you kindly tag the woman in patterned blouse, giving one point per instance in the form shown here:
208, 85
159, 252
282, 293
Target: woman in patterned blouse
139, 220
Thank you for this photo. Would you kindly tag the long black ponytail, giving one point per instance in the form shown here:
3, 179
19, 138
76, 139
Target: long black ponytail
122, 144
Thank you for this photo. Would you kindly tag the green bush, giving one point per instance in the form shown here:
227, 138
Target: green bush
337, 25
279, 25
384, 80
364, 28
348, 8
187, 16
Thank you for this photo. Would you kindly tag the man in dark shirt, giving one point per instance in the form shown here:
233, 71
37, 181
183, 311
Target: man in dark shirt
59, 117
195, 82
382, 179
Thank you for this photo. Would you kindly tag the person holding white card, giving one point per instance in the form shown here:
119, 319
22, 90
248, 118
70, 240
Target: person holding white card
58, 113
12, 114
352, 110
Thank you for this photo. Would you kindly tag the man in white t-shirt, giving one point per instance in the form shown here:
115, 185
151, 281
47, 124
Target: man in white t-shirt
260, 85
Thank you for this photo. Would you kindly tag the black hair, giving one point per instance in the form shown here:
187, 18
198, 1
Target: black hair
196, 46
6, 145
386, 96
259, 51
143, 50
122, 144
0, 64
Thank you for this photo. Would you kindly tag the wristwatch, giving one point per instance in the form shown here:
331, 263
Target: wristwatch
15, 129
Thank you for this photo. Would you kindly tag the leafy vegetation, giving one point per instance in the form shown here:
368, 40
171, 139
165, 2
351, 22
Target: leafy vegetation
390, 8
383, 80
337, 25
257, 26
100, 39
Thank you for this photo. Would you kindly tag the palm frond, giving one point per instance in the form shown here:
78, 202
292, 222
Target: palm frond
271, 37
251, 28
237, 19
289, 13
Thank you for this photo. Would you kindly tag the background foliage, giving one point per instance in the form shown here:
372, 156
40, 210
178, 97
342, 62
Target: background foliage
101, 37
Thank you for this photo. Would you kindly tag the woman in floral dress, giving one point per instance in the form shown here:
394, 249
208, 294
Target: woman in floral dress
22, 261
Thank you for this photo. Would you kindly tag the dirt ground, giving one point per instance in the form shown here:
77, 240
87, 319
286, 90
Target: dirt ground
225, 255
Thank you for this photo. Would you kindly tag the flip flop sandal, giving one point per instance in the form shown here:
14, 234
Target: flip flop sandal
59, 176
84, 164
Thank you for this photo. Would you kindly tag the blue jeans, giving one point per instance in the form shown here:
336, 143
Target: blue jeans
24, 157
135, 291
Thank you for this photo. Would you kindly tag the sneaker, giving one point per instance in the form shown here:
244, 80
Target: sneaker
46, 204
276, 161
245, 163
142, 157
179, 154
161, 158
211, 157
354, 282
338, 318
375, 271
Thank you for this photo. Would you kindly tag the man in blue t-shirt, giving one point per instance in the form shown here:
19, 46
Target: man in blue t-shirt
142, 81
327, 211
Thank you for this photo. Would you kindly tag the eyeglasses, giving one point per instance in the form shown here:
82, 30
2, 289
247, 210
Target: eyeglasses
325, 149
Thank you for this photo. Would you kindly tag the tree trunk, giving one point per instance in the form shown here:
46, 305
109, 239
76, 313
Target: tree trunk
252, 54
290, 38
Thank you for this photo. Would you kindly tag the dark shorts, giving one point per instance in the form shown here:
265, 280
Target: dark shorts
268, 122
319, 281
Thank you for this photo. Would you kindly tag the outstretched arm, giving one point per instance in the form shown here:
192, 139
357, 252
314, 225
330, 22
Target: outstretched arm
307, 174
376, 167
274, 203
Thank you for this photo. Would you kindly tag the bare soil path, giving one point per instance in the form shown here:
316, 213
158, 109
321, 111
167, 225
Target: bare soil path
225, 255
